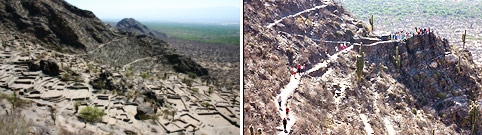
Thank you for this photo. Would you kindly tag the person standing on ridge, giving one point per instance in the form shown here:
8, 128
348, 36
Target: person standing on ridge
287, 112
299, 67
279, 102
304, 68
294, 71
284, 125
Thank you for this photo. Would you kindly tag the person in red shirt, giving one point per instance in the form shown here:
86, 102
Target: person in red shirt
299, 67
287, 111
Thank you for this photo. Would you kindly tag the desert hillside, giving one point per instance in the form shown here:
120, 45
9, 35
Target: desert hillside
64, 71
418, 85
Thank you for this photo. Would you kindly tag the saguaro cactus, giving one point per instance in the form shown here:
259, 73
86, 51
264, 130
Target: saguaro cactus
458, 66
371, 22
463, 39
360, 62
474, 115
251, 129
397, 58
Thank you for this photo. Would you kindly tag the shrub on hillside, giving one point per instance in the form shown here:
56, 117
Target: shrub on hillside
91, 114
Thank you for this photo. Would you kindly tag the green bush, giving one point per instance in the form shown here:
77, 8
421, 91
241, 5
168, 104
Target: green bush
91, 114
66, 77
145, 75
187, 81
192, 75
442, 95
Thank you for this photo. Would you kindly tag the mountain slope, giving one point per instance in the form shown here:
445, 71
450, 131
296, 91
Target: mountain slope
426, 93
60, 26
221, 60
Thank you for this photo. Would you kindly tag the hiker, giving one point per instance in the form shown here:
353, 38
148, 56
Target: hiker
284, 125
294, 72
304, 68
341, 47
299, 67
279, 101
287, 111
336, 48
418, 31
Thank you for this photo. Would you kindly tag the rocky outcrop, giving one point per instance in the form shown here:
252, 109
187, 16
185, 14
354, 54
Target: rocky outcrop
49, 67
185, 65
144, 111
132, 25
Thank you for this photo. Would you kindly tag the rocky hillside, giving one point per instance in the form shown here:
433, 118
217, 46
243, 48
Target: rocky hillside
424, 93
221, 61
60, 26
133, 26
63, 71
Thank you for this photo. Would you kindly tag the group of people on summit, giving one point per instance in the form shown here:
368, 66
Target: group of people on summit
402, 35
422, 31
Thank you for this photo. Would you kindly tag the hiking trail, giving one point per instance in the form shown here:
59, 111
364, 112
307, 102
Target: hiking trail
290, 88
294, 15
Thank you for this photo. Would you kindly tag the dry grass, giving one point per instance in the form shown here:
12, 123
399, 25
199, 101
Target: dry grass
14, 124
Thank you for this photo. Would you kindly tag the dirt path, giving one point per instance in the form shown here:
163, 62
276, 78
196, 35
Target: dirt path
103, 44
294, 15
368, 128
290, 88
128, 64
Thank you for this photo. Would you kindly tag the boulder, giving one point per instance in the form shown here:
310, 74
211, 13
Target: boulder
49, 67
433, 64
451, 59
33, 65
144, 110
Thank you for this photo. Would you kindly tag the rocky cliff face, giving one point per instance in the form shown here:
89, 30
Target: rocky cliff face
425, 93
65, 28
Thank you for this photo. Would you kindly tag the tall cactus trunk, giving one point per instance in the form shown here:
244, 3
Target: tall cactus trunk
371, 23
463, 39
458, 66
397, 58
360, 63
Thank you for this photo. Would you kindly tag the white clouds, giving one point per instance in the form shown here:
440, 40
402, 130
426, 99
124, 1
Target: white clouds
168, 10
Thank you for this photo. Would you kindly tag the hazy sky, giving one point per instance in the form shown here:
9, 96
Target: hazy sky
213, 11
